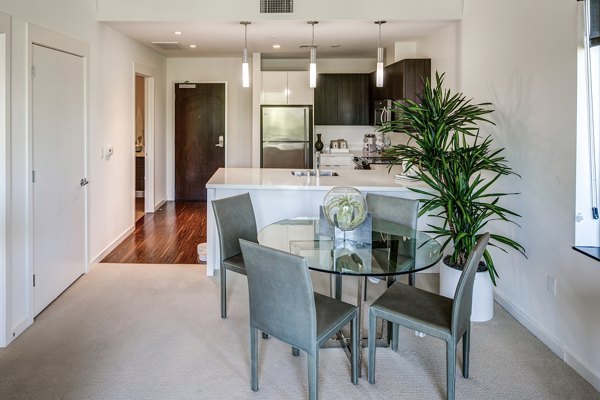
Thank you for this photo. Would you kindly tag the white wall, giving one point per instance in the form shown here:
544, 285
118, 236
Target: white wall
442, 48
522, 56
110, 122
5, 41
238, 140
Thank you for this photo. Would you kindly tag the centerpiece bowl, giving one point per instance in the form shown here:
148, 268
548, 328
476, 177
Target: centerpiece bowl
345, 207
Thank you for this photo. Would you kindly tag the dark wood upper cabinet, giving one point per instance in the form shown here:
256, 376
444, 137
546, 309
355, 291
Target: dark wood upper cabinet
347, 99
326, 100
342, 99
403, 79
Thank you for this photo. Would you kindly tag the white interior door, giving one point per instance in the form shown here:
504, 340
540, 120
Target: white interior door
58, 118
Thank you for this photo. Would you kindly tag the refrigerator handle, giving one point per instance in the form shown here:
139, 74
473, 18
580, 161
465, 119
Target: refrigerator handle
306, 123
307, 155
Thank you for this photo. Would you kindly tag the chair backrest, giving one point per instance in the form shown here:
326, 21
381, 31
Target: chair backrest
235, 220
463, 297
282, 301
394, 209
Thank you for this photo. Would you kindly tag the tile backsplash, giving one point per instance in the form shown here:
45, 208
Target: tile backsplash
353, 134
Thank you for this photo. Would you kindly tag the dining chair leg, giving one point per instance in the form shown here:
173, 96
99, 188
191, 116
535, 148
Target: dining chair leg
412, 279
295, 351
265, 335
450, 367
254, 357
355, 349
365, 290
223, 291
372, 327
338, 287
466, 350
313, 373
395, 328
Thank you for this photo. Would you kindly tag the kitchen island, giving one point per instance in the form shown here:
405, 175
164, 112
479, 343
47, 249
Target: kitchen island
277, 194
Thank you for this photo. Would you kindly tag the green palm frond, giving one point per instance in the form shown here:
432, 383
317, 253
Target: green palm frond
458, 166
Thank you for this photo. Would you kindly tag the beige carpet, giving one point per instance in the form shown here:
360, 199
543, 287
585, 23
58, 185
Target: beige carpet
155, 332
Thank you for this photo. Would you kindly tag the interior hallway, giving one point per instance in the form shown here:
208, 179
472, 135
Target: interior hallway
168, 236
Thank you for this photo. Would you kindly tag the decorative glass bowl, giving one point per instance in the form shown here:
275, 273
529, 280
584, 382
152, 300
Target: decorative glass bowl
345, 207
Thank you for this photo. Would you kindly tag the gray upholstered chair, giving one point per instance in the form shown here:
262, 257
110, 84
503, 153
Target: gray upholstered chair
432, 314
235, 219
393, 209
284, 305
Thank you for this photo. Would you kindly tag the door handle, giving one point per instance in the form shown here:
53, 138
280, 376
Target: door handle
83, 182
220, 144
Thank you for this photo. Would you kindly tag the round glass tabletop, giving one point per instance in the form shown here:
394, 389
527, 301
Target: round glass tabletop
395, 249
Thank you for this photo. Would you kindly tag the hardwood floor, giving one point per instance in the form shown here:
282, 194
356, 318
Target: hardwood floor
168, 236
139, 208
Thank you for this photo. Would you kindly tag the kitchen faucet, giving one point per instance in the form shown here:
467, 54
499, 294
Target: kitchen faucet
317, 162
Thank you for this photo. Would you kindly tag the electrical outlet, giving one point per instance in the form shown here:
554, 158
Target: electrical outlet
551, 285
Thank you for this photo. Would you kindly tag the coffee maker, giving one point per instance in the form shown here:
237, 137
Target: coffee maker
369, 143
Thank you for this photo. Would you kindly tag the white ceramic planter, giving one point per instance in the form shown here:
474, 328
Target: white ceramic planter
483, 291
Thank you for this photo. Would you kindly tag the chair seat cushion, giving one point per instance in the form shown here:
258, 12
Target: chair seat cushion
235, 264
330, 314
416, 309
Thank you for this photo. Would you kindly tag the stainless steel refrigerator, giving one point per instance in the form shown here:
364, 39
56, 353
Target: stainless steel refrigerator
286, 136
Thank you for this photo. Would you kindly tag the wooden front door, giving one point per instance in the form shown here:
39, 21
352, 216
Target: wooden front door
199, 122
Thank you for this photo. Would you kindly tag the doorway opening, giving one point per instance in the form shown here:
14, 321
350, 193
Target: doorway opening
140, 140
143, 142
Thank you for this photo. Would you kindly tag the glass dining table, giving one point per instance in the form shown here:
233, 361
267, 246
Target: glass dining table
394, 250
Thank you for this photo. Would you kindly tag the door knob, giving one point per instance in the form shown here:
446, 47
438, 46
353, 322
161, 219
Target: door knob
220, 144
83, 182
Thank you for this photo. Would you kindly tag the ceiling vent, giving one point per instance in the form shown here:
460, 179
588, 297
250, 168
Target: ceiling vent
276, 6
168, 45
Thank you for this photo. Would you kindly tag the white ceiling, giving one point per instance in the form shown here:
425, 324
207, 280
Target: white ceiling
335, 39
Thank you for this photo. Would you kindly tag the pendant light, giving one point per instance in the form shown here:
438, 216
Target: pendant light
245, 67
312, 68
379, 73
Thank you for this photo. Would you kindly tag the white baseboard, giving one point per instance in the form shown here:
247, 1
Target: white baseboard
112, 245
553, 344
159, 205
17, 329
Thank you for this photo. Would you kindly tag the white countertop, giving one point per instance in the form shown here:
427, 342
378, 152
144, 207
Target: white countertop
281, 178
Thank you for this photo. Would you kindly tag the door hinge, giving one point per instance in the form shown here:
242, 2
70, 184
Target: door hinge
33, 280
33, 71
33, 176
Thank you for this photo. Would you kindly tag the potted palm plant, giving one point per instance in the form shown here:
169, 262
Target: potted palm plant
459, 168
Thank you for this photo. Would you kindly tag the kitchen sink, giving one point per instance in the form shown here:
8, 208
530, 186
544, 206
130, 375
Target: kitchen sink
311, 172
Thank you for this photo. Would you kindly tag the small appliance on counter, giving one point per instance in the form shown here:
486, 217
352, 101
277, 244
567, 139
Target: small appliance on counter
369, 143
360, 163
382, 143
338, 146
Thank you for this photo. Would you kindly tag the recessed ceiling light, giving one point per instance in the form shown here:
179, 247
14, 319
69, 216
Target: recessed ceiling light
276, 46
193, 46
178, 33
